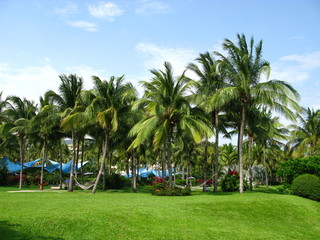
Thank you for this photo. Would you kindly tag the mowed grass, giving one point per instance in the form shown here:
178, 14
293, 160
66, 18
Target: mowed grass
125, 215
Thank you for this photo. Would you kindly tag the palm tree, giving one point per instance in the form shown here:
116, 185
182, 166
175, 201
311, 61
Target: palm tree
307, 135
210, 80
168, 113
110, 102
67, 99
46, 125
244, 67
18, 113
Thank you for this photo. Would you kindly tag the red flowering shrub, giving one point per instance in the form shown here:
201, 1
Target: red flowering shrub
231, 182
157, 189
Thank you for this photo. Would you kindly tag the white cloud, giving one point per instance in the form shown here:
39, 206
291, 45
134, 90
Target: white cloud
155, 56
88, 26
105, 11
70, 9
30, 82
34, 81
152, 7
295, 68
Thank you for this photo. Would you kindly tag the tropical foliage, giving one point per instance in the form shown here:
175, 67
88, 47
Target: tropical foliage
174, 127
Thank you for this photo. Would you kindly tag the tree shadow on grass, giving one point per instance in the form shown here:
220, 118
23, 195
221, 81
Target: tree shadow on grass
8, 231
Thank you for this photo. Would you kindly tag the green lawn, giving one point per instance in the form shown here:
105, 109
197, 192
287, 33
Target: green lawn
125, 215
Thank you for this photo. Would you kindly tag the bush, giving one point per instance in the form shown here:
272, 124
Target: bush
4, 176
157, 189
114, 181
293, 168
181, 182
231, 182
307, 186
284, 189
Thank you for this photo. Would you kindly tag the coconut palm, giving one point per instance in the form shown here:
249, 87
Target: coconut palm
210, 80
244, 67
110, 103
305, 137
18, 113
168, 113
69, 94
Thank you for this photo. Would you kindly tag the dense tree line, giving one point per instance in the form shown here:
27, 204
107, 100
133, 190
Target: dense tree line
175, 124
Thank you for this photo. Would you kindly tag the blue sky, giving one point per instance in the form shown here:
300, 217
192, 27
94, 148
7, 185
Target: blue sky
41, 39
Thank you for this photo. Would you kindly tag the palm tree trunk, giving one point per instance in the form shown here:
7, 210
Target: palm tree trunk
104, 177
60, 170
128, 168
73, 160
110, 162
44, 160
82, 158
169, 163
22, 144
164, 175
265, 166
134, 172
216, 157
241, 133
205, 164
104, 154
77, 158
187, 175
250, 161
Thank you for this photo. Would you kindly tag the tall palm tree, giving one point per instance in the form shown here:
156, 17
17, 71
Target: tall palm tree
69, 94
18, 113
168, 113
244, 67
210, 80
110, 103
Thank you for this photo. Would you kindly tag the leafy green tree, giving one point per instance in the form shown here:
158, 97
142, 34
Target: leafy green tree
243, 66
168, 113
67, 99
210, 80
305, 136
18, 113
110, 102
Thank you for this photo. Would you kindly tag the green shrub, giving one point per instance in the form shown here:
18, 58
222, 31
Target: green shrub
114, 181
284, 189
180, 181
307, 186
231, 182
4, 176
157, 189
293, 168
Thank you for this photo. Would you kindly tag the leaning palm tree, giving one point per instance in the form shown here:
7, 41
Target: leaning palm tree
67, 99
18, 113
110, 102
244, 67
168, 113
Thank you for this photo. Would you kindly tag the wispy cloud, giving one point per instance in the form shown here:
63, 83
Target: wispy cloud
152, 7
30, 82
70, 9
155, 56
34, 81
295, 68
103, 10
88, 26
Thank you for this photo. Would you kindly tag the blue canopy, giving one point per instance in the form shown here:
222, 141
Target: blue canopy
15, 167
66, 168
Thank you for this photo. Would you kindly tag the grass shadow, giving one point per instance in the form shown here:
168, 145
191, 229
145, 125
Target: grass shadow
8, 231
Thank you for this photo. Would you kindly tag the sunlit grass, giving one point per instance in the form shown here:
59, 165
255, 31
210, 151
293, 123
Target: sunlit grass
124, 215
